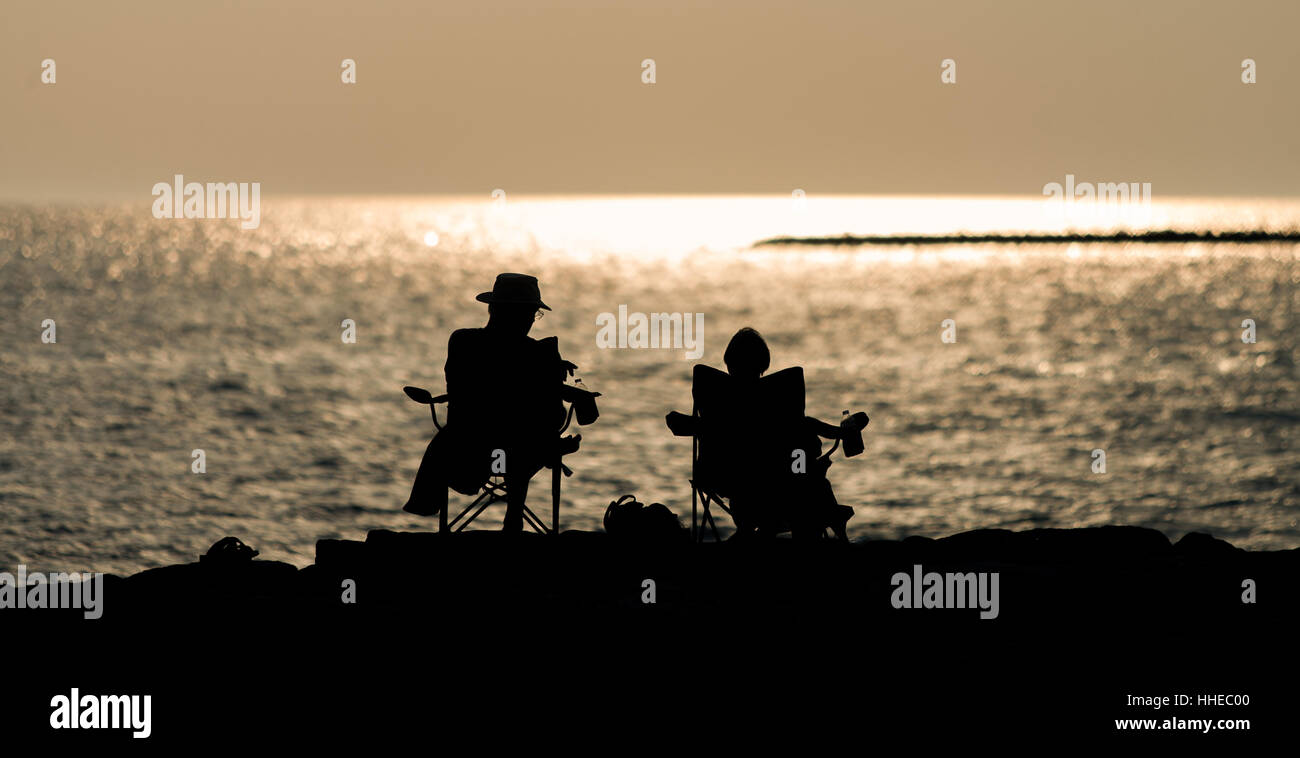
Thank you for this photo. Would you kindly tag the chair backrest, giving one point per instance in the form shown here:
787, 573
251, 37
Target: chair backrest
504, 399
743, 430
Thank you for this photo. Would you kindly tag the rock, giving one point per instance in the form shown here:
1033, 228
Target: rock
1201, 545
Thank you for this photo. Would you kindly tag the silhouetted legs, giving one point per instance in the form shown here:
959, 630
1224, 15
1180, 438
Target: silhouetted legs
817, 509
516, 494
806, 507
429, 490
445, 465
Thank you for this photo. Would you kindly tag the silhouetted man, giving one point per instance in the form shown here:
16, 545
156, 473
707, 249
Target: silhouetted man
505, 406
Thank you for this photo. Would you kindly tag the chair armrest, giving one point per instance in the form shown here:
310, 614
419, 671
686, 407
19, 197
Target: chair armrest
418, 394
422, 396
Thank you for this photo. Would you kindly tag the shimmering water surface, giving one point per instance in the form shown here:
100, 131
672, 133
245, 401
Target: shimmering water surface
182, 335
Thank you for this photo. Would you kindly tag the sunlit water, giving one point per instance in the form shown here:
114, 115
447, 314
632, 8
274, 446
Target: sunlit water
182, 335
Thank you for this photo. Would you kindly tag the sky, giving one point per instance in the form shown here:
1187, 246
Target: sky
750, 97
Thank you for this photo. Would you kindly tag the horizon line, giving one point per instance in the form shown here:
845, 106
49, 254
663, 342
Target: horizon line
487, 197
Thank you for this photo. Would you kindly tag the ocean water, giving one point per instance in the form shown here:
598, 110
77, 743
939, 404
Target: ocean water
176, 335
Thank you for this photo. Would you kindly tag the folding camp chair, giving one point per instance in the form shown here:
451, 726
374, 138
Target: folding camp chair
715, 416
494, 490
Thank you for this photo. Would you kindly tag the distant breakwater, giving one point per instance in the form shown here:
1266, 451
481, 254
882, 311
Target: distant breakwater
1161, 236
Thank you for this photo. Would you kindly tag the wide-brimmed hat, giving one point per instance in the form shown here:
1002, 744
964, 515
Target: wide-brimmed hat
514, 288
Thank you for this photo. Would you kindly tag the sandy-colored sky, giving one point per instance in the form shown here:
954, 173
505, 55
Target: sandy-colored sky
752, 96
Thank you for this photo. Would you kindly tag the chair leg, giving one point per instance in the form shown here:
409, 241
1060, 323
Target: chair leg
494, 493
480, 503
476, 514
697, 525
708, 517
695, 532
555, 497
533, 522
695, 460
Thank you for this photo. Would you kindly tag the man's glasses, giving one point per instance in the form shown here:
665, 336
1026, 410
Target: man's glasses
538, 316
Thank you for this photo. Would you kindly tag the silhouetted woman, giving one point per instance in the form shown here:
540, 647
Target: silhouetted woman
755, 463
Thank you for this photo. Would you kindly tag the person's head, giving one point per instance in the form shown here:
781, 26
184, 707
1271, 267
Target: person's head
514, 317
747, 356
514, 303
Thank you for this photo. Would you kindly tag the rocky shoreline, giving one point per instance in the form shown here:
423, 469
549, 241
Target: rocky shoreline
445, 628
1043, 578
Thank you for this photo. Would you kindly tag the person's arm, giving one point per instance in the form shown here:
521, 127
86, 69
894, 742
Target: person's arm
680, 424
821, 428
548, 354
467, 386
832, 431
453, 369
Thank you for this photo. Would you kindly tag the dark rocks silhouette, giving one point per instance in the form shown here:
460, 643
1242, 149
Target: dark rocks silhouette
1087, 615
1093, 576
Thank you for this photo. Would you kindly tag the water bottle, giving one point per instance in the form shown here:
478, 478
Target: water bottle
585, 408
851, 433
